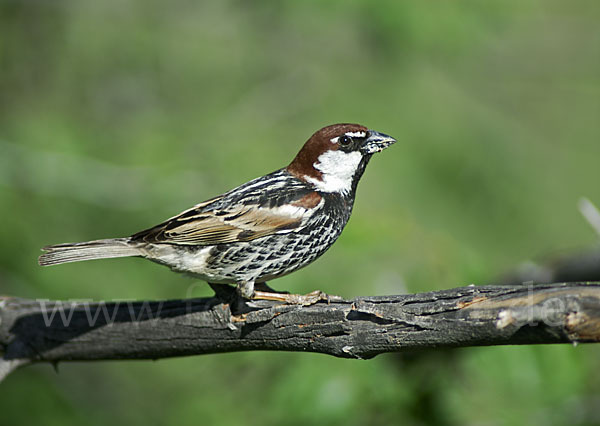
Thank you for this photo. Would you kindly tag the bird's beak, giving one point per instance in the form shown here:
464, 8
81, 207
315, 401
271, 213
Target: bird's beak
376, 142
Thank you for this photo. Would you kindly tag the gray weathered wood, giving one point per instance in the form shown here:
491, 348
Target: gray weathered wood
34, 331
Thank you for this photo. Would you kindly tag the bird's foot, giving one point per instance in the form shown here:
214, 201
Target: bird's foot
250, 291
296, 299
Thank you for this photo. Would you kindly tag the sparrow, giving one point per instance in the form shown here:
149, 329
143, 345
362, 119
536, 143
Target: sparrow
261, 230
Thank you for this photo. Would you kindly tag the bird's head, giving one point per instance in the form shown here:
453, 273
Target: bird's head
335, 157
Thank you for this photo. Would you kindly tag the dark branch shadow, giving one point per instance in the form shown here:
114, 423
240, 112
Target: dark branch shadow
53, 324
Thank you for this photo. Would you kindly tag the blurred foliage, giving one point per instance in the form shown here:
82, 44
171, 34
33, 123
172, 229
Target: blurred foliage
117, 114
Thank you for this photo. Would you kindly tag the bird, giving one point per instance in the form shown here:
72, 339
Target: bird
261, 230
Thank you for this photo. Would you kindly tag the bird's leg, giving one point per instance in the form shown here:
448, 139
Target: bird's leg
264, 292
297, 299
261, 291
245, 289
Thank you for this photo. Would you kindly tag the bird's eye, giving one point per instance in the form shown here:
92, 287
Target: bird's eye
345, 140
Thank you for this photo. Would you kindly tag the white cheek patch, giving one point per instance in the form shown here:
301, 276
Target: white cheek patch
338, 170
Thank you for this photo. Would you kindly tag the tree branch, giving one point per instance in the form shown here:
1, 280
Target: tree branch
33, 331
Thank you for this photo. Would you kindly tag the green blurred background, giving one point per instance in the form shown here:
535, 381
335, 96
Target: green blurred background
117, 114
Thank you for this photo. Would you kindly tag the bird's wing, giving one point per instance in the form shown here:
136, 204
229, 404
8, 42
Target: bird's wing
218, 222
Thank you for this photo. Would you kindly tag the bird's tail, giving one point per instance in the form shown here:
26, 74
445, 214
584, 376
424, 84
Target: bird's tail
88, 250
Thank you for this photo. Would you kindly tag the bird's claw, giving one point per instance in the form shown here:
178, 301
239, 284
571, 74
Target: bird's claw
297, 299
